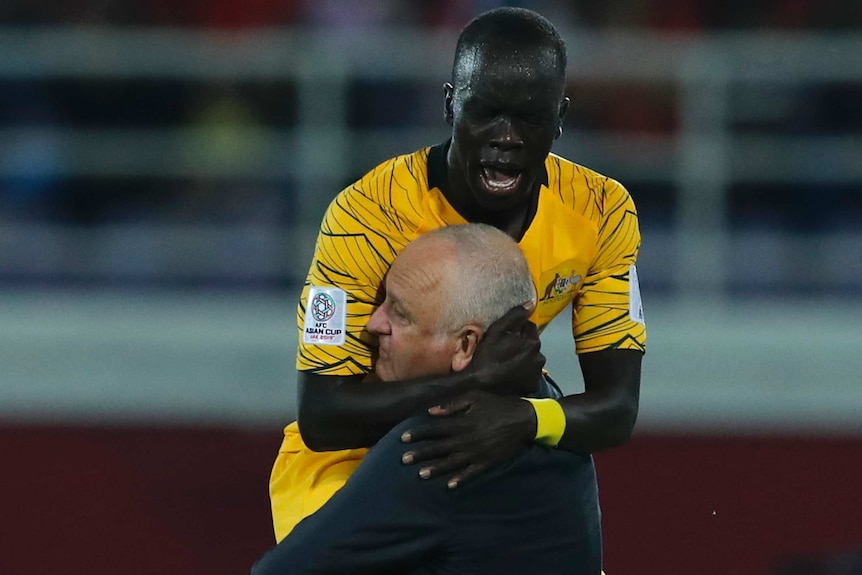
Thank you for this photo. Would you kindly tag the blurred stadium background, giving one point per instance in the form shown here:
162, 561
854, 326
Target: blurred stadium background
163, 168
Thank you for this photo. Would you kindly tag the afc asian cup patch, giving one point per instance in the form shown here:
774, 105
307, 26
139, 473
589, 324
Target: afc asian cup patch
636, 307
325, 316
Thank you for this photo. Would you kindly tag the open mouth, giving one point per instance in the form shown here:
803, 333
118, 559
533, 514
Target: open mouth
500, 180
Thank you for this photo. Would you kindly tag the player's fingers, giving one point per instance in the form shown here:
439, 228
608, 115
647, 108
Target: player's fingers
451, 407
427, 451
455, 462
529, 357
432, 430
529, 330
529, 349
511, 320
466, 475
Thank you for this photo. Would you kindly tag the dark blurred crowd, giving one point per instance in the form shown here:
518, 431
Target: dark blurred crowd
656, 14
35, 186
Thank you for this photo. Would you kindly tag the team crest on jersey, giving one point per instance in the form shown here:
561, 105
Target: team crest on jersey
557, 284
325, 316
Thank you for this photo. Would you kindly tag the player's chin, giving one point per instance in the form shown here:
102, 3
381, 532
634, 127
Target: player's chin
498, 201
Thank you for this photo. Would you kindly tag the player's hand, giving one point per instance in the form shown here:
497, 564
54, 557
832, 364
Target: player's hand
509, 360
469, 435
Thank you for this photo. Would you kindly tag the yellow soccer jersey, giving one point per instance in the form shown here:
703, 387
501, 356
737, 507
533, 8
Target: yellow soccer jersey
581, 245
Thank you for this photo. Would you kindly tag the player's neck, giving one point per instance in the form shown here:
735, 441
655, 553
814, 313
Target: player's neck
514, 221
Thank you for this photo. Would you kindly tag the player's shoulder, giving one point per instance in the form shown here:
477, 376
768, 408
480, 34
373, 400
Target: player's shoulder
392, 194
394, 180
579, 185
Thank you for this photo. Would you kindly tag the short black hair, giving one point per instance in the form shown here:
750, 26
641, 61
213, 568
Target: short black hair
511, 24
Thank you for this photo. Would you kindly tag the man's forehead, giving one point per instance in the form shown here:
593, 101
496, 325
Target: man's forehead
419, 267
506, 62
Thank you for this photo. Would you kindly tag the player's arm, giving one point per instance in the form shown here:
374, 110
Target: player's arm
609, 332
382, 521
343, 412
485, 429
604, 415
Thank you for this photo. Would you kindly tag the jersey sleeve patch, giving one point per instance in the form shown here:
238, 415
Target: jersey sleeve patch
636, 308
325, 316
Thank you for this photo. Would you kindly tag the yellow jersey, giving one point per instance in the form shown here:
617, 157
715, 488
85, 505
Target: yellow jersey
581, 245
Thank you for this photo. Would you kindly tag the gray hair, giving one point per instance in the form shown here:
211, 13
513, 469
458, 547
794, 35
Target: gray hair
491, 275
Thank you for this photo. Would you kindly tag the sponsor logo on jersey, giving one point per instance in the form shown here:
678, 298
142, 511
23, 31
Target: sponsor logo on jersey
325, 316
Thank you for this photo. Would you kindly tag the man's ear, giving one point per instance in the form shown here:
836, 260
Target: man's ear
466, 341
564, 107
448, 93
561, 114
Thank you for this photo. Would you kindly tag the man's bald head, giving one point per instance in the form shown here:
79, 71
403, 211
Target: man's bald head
486, 273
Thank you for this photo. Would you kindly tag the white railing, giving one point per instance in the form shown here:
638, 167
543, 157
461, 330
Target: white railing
160, 356
700, 161
165, 358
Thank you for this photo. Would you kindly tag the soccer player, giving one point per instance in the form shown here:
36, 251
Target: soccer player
578, 230
384, 520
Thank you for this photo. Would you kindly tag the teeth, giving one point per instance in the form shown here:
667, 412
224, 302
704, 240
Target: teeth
501, 184
498, 180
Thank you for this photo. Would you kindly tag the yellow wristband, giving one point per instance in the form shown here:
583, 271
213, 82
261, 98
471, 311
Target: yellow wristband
550, 420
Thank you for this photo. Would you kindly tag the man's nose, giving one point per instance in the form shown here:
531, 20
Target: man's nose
505, 136
377, 324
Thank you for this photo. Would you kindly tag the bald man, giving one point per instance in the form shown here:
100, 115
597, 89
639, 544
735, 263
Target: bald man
536, 513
